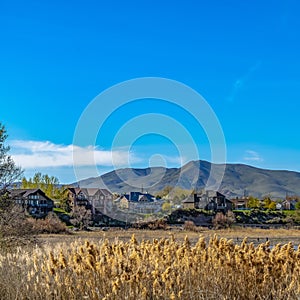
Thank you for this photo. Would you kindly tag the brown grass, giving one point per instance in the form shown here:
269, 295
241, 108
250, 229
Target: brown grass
153, 265
237, 234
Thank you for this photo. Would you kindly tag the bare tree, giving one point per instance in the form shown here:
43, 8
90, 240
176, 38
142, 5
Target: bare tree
223, 221
9, 172
81, 217
13, 221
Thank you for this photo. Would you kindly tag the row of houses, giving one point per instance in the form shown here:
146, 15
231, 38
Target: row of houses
213, 200
38, 204
101, 201
287, 204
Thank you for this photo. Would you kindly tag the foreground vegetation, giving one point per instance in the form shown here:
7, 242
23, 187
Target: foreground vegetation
159, 269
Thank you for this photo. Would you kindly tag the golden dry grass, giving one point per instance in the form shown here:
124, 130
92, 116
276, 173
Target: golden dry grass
146, 268
255, 235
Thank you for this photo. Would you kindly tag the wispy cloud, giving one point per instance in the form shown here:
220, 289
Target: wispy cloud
251, 155
45, 154
240, 82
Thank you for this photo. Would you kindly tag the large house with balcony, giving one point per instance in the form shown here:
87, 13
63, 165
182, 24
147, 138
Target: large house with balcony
35, 201
208, 200
97, 200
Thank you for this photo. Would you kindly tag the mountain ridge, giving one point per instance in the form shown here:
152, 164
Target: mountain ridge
237, 179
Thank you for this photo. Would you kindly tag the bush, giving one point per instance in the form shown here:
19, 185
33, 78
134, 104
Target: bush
190, 226
81, 217
223, 221
158, 224
51, 224
152, 225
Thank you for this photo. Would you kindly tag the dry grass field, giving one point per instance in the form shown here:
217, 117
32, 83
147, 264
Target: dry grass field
237, 234
144, 264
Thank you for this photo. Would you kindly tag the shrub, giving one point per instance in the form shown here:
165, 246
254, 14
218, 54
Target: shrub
51, 224
223, 221
157, 224
190, 226
81, 217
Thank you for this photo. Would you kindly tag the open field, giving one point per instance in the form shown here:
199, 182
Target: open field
237, 234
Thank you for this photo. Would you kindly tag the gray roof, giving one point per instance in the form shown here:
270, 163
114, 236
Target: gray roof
24, 193
189, 199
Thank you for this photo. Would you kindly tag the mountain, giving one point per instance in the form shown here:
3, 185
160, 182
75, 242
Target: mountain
237, 179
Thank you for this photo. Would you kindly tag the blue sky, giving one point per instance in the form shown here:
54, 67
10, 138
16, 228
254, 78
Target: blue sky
241, 56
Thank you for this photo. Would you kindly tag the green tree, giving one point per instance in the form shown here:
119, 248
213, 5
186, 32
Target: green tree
268, 203
166, 207
166, 191
272, 205
48, 184
253, 202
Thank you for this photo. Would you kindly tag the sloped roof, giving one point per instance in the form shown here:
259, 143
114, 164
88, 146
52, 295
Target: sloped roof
210, 194
90, 191
137, 196
75, 191
188, 200
106, 192
24, 193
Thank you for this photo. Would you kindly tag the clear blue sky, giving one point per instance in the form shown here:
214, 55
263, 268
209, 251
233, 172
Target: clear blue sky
241, 56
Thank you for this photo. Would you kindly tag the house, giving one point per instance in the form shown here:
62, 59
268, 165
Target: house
240, 202
189, 202
95, 199
34, 201
208, 200
289, 204
77, 197
140, 203
99, 199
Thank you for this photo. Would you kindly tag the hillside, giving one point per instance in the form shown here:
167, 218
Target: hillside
237, 179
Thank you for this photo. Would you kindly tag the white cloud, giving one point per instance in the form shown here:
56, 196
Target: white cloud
43, 154
251, 155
